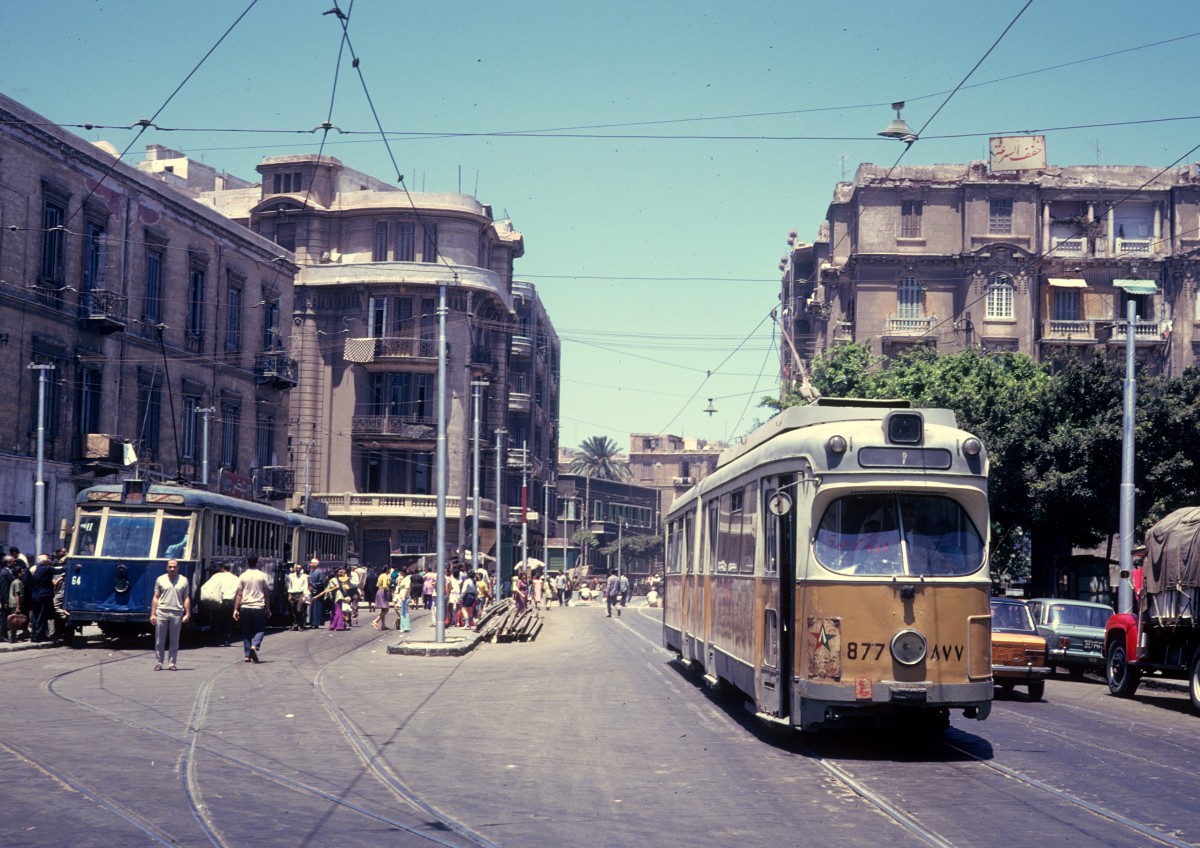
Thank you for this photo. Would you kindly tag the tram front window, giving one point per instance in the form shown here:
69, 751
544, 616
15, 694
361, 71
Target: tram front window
128, 536
173, 538
883, 535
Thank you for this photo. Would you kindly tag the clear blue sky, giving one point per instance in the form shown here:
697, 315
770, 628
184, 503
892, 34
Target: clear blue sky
654, 245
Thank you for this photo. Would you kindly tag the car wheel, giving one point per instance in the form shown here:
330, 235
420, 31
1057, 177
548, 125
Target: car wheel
1194, 682
1122, 679
1037, 689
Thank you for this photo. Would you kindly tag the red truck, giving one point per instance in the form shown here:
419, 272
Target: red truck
1161, 635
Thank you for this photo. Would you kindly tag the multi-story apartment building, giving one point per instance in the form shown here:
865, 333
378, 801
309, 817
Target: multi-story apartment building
151, 308
1037, 261
374, 259
611, 510
670, 464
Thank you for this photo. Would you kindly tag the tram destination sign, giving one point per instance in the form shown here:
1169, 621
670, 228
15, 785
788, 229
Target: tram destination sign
938, 459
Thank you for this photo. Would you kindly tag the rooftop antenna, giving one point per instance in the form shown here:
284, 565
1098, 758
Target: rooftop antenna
842, 158
1096, 147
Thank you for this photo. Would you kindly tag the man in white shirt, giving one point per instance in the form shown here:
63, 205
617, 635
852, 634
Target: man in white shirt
297, 586
169, 610
250, 608
225, 584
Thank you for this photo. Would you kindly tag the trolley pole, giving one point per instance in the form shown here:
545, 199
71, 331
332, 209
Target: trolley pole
498, 594
476, 385
39, 486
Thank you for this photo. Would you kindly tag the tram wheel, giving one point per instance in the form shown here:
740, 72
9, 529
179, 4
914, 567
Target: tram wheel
1122, 680
123, 629
1037, 689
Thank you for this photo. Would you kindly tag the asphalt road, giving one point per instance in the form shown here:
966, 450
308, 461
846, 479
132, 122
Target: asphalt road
592, 735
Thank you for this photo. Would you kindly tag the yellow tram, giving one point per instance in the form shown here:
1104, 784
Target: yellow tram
834, 568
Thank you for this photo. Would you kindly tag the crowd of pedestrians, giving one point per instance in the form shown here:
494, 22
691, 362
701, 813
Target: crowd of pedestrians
31, 597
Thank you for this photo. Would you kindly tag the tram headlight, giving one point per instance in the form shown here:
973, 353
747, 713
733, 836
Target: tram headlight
121, 581
972, 447
836, 444
908, 647
905, 428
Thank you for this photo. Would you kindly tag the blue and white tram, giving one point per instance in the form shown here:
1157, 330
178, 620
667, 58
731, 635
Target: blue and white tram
125, 533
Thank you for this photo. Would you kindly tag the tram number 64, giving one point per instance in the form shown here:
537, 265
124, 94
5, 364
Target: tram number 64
862, 650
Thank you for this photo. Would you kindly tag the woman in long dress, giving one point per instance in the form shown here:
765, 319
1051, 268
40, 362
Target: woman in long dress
383, 600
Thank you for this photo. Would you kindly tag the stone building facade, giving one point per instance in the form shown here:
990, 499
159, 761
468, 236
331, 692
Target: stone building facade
151, 308
963, 256
374, 259
670, 464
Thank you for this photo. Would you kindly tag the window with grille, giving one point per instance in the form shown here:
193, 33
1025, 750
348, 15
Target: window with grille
229, 435
405, 242
908, 298
910, 218
233, 320
1000, 212
152, 302
381, 242
1000, 297
1066, 304
429, 252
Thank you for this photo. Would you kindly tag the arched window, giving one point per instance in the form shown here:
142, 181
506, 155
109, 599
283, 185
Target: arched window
908, 298
1000, 297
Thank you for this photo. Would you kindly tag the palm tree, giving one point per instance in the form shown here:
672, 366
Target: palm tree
598, 457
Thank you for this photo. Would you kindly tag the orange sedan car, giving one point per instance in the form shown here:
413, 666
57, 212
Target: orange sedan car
1018, 652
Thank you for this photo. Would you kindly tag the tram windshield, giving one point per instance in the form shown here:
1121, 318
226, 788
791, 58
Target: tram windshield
890, 534
128, 535
173, 537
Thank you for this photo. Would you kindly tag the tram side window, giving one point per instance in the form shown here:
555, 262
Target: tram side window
770, 534
673, 557
749, 545
128, 535
713, 521
173, 538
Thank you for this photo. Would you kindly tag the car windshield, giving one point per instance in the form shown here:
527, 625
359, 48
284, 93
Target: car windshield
889, 534
1070, 615
1011, 616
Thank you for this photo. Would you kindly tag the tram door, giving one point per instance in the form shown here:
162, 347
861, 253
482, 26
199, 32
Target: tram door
779, 586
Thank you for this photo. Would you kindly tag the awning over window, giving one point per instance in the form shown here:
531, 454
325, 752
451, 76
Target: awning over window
1137, 286
1068, 282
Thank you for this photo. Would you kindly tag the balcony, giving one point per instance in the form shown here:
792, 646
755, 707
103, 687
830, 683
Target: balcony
519, 402
908, 326
276, 482
522, 346
1134, 247
407, 427
1076, 246
103, 312
683, 481
343, 505
403, 349
1144, 333
482, 361
276, 369
1069, 331
101, 454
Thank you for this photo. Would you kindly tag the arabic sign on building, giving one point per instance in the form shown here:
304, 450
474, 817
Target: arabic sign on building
1018, 153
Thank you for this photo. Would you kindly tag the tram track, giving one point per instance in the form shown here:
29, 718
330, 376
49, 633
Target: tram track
192, 750
862, 783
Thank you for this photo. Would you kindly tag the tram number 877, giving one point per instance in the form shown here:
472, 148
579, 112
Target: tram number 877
862, 650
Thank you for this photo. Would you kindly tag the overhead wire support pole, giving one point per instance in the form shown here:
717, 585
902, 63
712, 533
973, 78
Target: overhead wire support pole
440, 596
205, 413
476, 385
498, 594
39, 486
1125, 586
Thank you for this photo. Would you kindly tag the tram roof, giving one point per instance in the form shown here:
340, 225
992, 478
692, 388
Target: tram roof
200, 499
827, 411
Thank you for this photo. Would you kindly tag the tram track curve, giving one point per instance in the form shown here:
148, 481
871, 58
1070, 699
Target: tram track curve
192, 749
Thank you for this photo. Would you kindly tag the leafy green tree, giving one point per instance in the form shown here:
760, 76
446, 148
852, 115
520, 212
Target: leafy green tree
1167, 434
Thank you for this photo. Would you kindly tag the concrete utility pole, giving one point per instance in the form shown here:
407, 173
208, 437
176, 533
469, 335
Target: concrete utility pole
525, 504
440, 596
39, 486
500, 434
476, 385
1125, 586
204, 414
